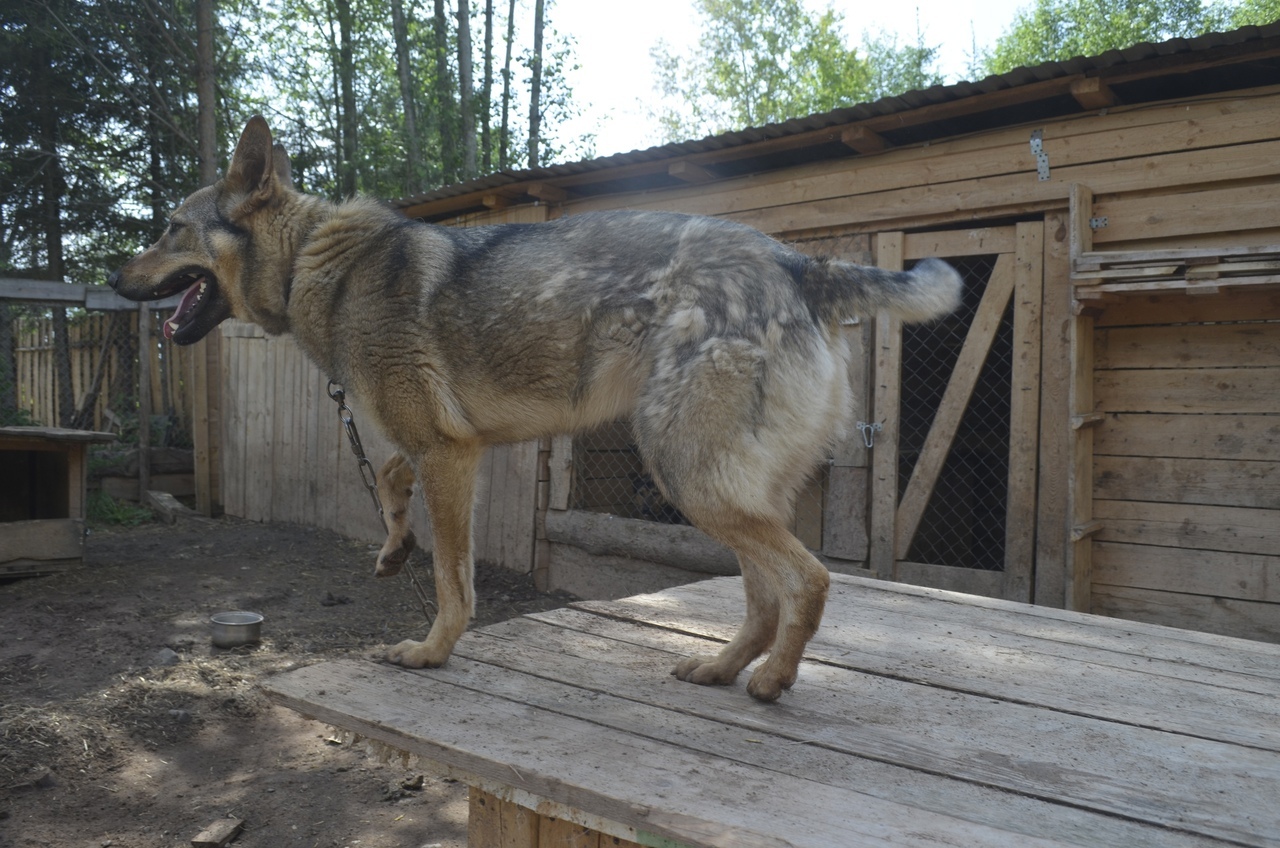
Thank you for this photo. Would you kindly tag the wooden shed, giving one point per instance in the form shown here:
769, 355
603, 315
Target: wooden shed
1098, 428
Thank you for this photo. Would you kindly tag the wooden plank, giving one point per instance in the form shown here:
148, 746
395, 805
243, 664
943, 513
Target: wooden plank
887, 387
1188, 212
935, 204
233, 429
957, 645
1200, 390
676, 545
1092, 764
971, 581
560, 832
42, 539
1076, 142
980, 241
1177, 308
1246, 577
1225, 437
844, 525
484, 819
1243, 619
1024, 414
1056, 445
519, 826
561, 470
1217, 528
1188, 481
562, 761
1190, 346
955, 400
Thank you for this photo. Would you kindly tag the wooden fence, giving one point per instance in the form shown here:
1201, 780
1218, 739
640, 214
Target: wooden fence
103, 370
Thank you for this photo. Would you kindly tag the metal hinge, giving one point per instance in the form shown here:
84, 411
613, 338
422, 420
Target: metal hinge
1098, 223
1042, 158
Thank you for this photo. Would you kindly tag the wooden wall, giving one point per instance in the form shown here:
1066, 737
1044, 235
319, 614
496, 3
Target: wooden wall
1186, 481
286, 457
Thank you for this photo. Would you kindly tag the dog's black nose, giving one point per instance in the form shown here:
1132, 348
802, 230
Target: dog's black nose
114, 280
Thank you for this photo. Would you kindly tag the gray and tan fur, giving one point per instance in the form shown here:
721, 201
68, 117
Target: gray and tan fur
720, 344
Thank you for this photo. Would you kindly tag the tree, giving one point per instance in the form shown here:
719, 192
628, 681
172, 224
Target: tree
535, 85
765, 61
1056, 30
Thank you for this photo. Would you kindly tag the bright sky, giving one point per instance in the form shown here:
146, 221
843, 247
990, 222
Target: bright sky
615, 81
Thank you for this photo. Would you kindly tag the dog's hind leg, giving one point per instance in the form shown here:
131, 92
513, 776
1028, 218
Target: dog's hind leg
395, 489
447, 472
786, 591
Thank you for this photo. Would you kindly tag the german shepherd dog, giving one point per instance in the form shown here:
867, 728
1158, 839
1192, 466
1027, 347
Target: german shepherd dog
719, 343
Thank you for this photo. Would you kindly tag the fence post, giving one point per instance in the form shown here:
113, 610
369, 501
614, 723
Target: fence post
144, 401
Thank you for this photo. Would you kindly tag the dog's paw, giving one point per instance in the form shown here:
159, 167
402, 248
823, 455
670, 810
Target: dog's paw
704, 671
767, 683
392, 556
411, 654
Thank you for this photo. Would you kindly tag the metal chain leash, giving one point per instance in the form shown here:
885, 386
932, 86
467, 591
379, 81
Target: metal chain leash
370, 480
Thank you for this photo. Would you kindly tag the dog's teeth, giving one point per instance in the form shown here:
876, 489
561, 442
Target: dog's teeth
173, 325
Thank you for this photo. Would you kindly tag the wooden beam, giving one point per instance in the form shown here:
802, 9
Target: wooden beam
689, 172
887, 402
496, 201
1093, 93
863, 139
547, 192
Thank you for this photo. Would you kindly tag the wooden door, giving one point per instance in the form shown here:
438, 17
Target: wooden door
953, 483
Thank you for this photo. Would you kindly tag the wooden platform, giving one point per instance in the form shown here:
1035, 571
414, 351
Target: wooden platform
921, 717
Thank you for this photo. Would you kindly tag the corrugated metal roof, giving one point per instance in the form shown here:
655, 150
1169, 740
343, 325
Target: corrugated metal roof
885, 107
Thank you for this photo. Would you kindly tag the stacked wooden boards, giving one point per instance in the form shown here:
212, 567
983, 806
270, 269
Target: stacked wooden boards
921, 717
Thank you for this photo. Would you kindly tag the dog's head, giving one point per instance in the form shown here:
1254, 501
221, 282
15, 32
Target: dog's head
216, 249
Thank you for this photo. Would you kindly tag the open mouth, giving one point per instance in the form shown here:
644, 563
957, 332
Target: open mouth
200, 310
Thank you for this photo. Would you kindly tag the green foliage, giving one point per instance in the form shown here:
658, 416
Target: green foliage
1056, 30
766, 61
106, 510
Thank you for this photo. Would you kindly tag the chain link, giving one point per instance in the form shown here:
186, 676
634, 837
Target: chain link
370, 480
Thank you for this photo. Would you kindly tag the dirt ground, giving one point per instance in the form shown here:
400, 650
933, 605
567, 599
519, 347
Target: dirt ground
120, 724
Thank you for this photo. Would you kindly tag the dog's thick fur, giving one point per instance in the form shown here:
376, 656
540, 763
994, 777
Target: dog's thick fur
720, 344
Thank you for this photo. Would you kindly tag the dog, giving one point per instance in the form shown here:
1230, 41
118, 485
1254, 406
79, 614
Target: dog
719, 343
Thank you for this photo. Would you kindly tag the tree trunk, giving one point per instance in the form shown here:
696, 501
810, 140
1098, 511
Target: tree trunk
466, 93
346, 80
54, 186
206, 105
486, 91
400, 29
504, 133
444, 96
535, 87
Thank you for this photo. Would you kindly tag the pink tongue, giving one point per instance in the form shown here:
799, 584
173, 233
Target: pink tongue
189, 297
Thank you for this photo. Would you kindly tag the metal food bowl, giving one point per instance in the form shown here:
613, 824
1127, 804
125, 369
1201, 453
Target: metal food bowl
235, 629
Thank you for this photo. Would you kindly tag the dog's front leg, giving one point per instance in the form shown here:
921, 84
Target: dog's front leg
448, 475
395, 488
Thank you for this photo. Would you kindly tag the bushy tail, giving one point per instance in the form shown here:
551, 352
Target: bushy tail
835, 289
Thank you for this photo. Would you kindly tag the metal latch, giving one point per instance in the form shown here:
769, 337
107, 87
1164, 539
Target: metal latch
868, 432
1098, 223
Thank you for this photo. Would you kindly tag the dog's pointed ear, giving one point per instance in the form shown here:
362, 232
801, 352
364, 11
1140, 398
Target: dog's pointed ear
282, 166
253, 169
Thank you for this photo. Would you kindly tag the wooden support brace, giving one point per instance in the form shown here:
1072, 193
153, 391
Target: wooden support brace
863, 139
1093, 93
1091, 419
1083, 531
689, 172
548, 193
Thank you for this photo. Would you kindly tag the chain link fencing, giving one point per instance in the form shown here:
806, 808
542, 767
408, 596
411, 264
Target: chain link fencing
964, 522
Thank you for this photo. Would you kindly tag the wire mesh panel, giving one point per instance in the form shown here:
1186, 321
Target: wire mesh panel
964, 522
609, 476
